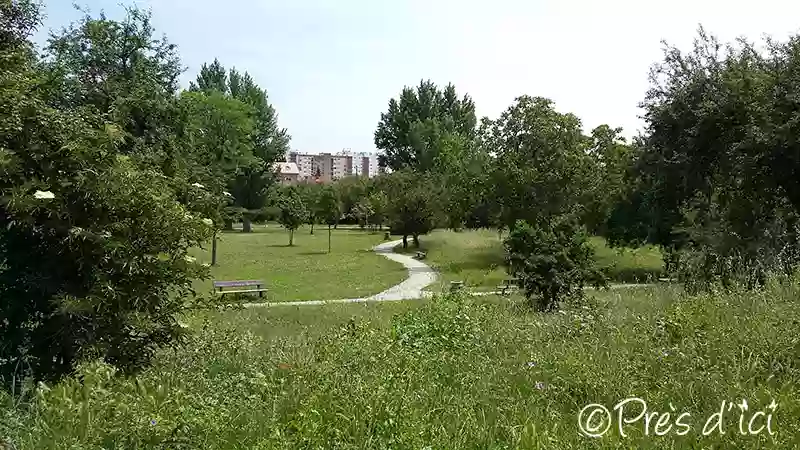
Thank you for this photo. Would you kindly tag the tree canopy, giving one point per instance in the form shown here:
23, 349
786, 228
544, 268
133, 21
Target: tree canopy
411, 130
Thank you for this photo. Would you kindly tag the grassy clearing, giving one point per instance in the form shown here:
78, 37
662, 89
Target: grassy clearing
450, 373
304, 271
476, 257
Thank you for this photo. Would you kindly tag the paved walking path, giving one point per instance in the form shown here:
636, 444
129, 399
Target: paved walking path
420, 276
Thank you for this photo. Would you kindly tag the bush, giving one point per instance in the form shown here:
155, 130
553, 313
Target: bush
552, 259
93, 248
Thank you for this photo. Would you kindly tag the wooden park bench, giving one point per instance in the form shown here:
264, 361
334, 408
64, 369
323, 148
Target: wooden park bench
509, 284
421, 255
220, 285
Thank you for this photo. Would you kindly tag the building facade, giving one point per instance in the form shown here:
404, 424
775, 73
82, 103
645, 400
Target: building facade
327, 167
288, 172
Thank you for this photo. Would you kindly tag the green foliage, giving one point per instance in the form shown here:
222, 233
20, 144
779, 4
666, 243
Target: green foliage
270, 143
93, 242
311, 194
414, 204
611, 159
541, 160
552, 261
294, 212
412, 131
399, 374
329, 206
719, 166
119, 70
446, 323
378, 203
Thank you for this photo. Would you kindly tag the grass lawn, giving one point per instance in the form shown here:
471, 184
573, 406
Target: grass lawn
304, 271
449, 373
476, 257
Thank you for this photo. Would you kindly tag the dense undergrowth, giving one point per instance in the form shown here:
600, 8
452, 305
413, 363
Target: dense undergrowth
449, 373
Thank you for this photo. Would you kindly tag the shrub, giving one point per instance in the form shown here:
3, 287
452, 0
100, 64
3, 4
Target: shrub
552, 259
93, 248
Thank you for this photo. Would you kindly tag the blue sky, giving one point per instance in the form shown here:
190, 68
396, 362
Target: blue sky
330, 67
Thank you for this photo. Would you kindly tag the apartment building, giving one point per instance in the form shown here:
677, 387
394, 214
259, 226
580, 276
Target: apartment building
333, 166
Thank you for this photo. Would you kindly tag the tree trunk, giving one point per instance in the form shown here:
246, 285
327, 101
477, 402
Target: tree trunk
214, 250
312, 227
405, 241
228, 225
247, 227
416, 240
329, 238
291, 238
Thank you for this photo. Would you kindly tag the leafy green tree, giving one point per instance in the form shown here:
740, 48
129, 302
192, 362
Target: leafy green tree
310, 193
270, 142
410, 133
121, 71
463, 168
329, 208
413, 205
352, 191
294, 212
93, 247
720, 158
611, 160
541, 167
552, 260
250, 188
217, 130
363, 212
379, 205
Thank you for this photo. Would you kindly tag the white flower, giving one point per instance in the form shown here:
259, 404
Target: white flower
198, 185
44, 195
226, 194
190, 259
208, 222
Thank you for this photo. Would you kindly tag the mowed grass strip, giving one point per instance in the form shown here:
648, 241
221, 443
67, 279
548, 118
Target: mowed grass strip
305, 271
476, 257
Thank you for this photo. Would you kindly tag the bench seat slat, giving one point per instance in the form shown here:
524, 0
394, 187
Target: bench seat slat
243, 291
219, 284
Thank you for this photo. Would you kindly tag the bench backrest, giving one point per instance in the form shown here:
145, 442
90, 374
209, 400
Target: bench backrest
220, 284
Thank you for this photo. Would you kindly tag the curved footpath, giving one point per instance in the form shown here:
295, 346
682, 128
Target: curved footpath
420, 275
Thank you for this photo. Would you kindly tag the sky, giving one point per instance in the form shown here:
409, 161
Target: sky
330, 67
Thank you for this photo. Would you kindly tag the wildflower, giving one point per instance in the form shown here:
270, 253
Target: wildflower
208, 222
198, 185
539, 385
152, 421
531, 364
190, 259
44, 195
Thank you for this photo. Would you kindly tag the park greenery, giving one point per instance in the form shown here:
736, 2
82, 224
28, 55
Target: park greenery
114, 182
